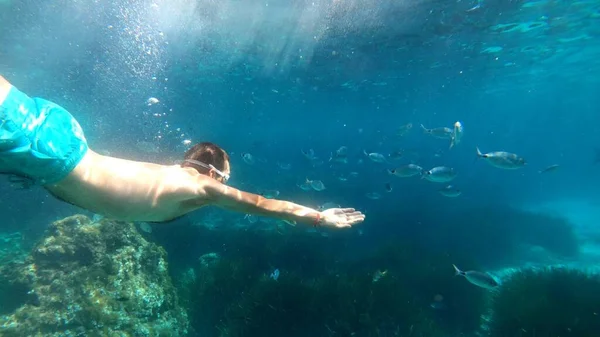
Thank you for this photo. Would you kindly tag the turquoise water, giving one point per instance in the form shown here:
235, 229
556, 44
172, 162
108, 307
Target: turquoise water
275, 79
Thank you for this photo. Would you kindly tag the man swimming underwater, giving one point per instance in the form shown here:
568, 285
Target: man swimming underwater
42, 141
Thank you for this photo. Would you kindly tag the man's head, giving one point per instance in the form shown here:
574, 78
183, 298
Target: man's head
208, 159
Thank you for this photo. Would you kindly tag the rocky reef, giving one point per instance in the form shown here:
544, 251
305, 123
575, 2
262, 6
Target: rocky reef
87, 278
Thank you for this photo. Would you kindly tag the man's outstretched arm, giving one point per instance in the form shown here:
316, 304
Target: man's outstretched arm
4, 89
233, 199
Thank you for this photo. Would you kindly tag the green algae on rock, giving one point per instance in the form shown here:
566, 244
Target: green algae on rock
89, 278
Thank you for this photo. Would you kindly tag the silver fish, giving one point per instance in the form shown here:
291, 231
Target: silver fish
316, 185
457, 134
477, 278
550, 168
251, 218
440, 174
248, 158
404, 129
310, 154
152, 100
441, 133
376, 157
407, 171
450, 191
503, 160
373, 195
284, 166
328, 205
340, 155
270, 194
305, 186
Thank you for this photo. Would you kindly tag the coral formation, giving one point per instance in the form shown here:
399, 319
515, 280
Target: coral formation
88, 278
550, 301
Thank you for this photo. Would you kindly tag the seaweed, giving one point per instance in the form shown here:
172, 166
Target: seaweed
316, 295
551, 301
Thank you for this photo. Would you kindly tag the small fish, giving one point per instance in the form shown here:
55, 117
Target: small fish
457, 134
475, 7
97, 217
317, 162
275, 275
376, 157
503, 160
152, 100
270, 194
20, 182
440, 174
477, 278
373, 195
450, 191
305, 186
406, 171
122, 298
248, 158
379, 274
396, 155
310, 154
251, 218
145, 227
441, 133
388, 187
33, 298
328, 205
404, 129
550, 168
284, 166
340, 155
316, 185
290, 222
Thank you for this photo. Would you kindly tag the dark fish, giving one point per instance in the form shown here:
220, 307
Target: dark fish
33, 298
388, 187
477, 278
550, 168
20, 182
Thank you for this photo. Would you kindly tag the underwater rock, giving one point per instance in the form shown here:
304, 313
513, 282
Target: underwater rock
89, 278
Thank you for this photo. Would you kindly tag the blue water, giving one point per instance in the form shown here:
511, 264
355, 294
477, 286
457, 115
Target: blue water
274, 78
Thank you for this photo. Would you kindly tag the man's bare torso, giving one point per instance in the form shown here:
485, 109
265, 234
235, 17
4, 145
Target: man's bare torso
129, 190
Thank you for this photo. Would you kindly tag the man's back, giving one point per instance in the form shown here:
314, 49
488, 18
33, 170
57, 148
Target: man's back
130, 190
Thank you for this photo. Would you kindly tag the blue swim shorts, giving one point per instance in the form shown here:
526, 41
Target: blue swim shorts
38, 139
